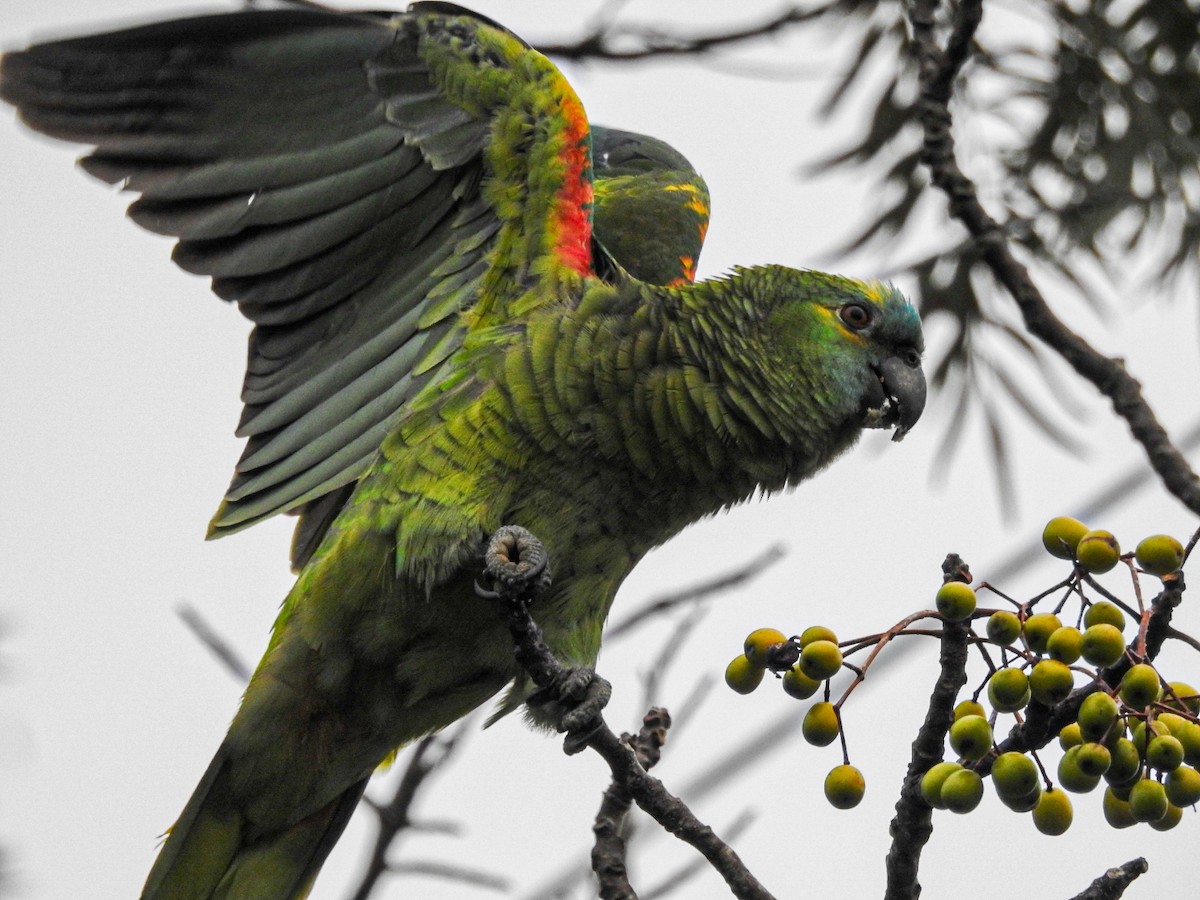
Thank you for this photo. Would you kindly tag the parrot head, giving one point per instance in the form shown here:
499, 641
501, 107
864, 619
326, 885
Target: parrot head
841, 355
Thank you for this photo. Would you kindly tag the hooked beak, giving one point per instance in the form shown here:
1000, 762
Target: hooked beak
898, 397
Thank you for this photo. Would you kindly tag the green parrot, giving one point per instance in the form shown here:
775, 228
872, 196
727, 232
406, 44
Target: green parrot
470, 309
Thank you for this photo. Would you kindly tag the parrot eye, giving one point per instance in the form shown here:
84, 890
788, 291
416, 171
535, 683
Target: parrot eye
855, 315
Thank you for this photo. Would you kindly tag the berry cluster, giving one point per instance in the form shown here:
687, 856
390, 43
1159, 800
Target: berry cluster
1129, 727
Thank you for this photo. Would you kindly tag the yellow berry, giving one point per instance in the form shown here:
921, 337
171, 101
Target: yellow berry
1065, 644
1050, 681
820, 725
1093, 759
955, 601
742, 675
799, 685
759, 643
1104, 613
1069, 736
1169, 820
932, 781
1014, 775
1061, 536
962, 791
1102, 644
1097, 714
1003, 627
820, 660
1140, 687
1098, 552
1148, 800
844, 787
1071, 777
1008, 690
1183, 786
1125, 763
1116, 811
1183, 697
969, 708
971, 737
1164, 753
816, 633
1038, 629
1053, 813
1159, 554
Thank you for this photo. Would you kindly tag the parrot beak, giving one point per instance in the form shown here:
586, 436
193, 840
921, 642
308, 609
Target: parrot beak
897, 398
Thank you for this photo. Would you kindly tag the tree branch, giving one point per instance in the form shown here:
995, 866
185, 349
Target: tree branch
937, 71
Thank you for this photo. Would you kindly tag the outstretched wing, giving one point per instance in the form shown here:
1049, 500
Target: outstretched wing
366, 187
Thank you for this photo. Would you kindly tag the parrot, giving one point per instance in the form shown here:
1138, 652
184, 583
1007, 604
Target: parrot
470, 308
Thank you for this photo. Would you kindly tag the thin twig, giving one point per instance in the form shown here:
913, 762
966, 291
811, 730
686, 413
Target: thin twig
217, 645
723, 582
604, 41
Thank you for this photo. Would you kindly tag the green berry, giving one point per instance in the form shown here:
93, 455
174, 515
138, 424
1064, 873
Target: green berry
1008, 690
962, 791
844, 787
1098, 552
1038, 629
1148, 800
742, 675
1097, 714
1164, 753
759, 643
1014, 775
1071, 777
955, 601
797, 684
969, 708
932, 781
1053, 813
820, 725
1061, 536
816, 633
1140, 687
1003, 627
820, 660
971, 737
1116, 811
1065, 644
1102, 644
1104, 613
1050, 681
1159, 554
1183, 697
1183, 786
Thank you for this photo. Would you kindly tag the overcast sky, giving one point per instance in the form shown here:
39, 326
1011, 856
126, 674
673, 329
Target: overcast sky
117, 406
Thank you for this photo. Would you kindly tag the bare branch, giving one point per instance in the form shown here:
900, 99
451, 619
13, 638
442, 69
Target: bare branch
913, 823
1111, 885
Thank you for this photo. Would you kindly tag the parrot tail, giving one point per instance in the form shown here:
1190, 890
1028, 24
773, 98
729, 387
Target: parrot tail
212, 851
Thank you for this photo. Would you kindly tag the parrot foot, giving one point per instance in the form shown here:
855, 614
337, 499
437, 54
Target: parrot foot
582, 694
516, 564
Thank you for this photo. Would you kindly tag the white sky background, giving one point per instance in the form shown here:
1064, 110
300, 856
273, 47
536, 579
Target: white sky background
118, 397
